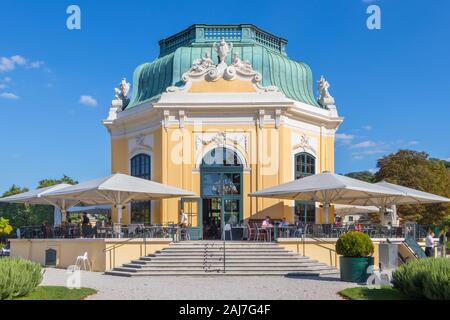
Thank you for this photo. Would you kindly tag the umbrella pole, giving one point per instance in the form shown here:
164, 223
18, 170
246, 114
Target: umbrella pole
119, 213
382, 211
326, 207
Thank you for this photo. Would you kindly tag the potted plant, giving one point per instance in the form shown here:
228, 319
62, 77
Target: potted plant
356, 249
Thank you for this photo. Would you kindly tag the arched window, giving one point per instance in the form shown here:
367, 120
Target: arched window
305, 165
141, 168
221, 157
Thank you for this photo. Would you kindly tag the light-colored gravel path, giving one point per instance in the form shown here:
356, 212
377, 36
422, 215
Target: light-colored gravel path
204, 288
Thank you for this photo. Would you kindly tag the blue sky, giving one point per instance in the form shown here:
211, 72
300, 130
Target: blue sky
391, 85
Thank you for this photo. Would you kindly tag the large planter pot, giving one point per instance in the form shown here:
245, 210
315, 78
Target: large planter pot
355, 269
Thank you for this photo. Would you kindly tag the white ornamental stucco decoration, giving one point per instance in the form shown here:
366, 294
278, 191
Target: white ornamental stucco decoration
140, 143
204, 68
221, 139
303, 142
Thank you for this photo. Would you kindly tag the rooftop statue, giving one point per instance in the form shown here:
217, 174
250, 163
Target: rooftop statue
222, 49
202, 64
121, 99
325, 98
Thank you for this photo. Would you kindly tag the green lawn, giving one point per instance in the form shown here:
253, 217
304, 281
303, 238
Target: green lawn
364, 293
58, 293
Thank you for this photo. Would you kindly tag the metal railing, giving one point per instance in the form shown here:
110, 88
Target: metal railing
207, 264
333, 231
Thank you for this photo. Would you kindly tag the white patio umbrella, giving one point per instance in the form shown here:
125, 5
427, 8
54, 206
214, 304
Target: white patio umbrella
345, 209
327, 188
37, 197
409, 196
117, 189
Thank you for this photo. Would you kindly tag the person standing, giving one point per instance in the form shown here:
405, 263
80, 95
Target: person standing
183, 219
429, 245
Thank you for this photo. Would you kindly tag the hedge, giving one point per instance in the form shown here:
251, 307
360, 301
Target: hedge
18, 277
424, 279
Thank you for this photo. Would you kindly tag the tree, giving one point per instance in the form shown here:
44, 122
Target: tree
21, 215
51, 182
17, 214
46, 213
366, 176
5, 227
415, 170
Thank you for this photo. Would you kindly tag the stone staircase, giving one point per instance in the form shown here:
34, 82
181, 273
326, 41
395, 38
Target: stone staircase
193, 258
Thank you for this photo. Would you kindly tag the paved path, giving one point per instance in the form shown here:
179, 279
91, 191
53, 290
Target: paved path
204, 288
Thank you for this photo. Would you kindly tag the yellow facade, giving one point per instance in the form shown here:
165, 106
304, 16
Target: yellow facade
265, 135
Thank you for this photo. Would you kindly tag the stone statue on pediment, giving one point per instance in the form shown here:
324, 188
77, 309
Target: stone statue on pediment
325, 97
222, 49
121, 95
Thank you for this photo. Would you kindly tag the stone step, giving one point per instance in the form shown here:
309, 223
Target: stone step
219, 264
146, 260
237, 249
218, 253
228, 268
231, 273
242, 258
228, 262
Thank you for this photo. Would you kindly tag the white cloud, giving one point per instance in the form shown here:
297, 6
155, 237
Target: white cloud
36, 64
373, 170
7, 79
367, 128
6, 64
9, 96
362, 154
19, 60
88, 101
344, 138
413, 143
9, 64
2, 86
364, 144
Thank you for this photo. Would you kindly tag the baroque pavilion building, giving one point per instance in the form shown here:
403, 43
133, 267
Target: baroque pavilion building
222, 112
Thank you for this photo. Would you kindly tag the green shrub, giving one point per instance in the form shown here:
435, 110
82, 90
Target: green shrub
424, 279
18, 277
354, 244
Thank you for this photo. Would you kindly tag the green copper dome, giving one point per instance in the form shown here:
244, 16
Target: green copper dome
265, 52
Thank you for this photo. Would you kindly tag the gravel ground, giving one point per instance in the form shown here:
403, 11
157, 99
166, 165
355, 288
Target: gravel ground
204, 288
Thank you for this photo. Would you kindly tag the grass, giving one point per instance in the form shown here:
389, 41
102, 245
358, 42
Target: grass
58, 293
365, 293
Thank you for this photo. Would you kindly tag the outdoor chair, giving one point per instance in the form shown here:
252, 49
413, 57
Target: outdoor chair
184, 234
261, 233
227, 228
251, 232
83, 259
317, 231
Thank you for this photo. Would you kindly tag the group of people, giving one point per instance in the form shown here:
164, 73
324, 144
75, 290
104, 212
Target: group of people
430, 244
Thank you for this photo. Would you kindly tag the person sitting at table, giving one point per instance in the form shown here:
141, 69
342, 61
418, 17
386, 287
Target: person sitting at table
266, 223
283, 223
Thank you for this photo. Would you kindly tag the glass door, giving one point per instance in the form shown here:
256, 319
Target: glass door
231, 211
192, 208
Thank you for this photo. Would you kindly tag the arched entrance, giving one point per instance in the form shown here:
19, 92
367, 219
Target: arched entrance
221, 191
